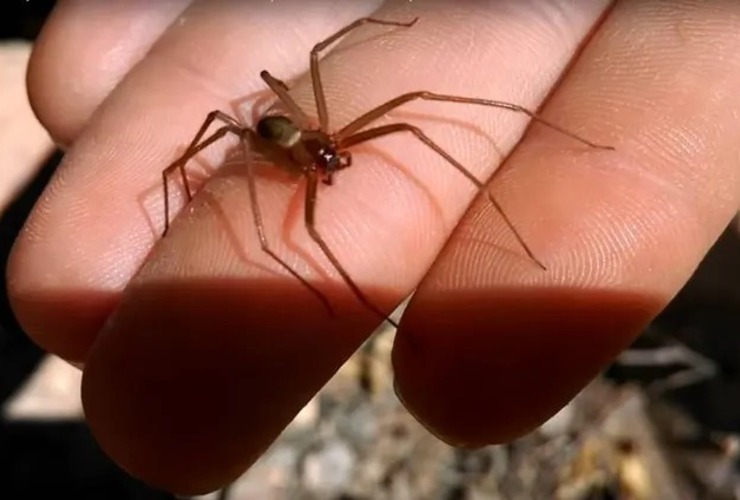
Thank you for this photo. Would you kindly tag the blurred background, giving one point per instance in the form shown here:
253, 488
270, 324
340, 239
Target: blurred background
662, 423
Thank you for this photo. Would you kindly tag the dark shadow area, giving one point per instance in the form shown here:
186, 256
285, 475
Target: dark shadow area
59, 459
222, 365
23, 18
503, 360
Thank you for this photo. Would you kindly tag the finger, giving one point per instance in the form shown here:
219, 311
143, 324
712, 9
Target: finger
94, 225
84, 50
24, 144
504, 344
206, 324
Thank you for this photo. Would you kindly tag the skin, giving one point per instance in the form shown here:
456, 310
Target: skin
24, 144
190, 373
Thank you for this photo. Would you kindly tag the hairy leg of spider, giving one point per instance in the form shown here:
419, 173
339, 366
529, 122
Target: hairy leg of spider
180, 165
381, 110
374, 133
310, 211
281, 90
318, 89
259, 225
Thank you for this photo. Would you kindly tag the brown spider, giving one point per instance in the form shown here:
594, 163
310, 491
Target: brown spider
290, 142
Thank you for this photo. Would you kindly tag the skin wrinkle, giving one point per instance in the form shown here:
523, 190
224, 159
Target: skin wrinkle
694, 175
586, 238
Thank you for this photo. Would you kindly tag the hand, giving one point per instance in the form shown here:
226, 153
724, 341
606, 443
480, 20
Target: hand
210, 348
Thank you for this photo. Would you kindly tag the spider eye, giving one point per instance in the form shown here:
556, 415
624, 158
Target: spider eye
279, 130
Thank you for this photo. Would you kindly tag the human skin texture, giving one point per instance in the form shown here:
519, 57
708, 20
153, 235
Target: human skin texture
198, 349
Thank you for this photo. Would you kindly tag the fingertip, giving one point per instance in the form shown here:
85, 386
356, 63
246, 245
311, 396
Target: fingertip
83, 51
192, 381
487, 368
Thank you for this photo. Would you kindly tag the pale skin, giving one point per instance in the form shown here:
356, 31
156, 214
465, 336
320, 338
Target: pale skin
212, 348
24, 144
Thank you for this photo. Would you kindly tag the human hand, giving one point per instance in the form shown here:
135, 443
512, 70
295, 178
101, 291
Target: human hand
208, 355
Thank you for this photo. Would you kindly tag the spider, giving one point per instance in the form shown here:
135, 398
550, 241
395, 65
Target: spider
318, 154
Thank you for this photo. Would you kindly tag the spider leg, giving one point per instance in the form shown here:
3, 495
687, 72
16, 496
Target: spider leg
377, 112
374, 133
260, 227
318, 88
281, 90
196, 146
310, 212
